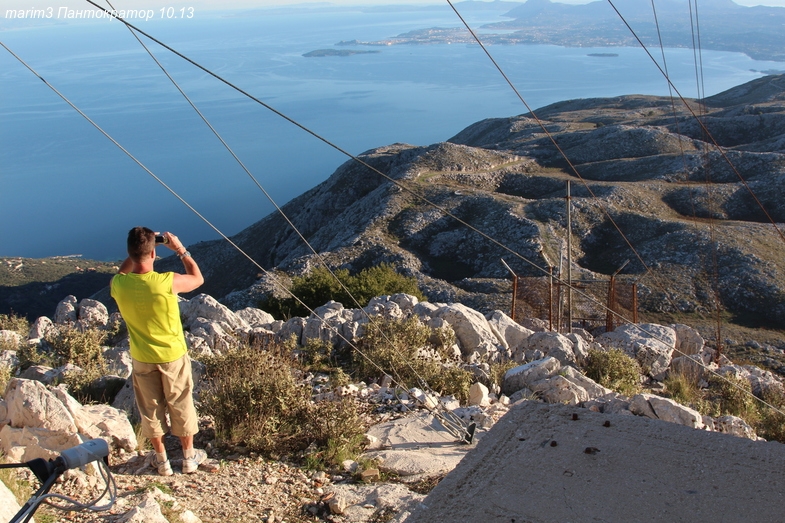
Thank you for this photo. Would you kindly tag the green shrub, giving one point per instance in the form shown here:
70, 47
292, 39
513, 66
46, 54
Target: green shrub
83, 348
255, 399
731, 395
12, 322
319, 286
393, 346
772, 420
337, 433
5, 377
498, 370
614, 369
315, 355
683, 389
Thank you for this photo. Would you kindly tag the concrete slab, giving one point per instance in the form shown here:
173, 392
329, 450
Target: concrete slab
538, 464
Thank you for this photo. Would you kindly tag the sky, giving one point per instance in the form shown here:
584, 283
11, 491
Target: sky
242, 4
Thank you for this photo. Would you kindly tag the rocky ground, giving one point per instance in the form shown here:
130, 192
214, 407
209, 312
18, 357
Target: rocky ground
232, 486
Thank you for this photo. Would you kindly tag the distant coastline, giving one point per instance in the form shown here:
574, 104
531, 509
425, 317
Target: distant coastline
604, 55
335, 52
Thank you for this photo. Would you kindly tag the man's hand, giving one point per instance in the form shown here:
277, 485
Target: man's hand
192, 279
172, 242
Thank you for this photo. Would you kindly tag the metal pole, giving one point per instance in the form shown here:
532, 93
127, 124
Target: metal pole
550, 298
514, 289
611, 303
569, 262
559, 305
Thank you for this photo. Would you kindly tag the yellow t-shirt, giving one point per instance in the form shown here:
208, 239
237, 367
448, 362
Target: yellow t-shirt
151, 312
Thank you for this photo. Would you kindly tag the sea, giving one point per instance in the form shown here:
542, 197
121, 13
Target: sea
67, 189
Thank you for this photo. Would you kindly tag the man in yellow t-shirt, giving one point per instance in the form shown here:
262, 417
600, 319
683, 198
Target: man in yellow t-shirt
161, 367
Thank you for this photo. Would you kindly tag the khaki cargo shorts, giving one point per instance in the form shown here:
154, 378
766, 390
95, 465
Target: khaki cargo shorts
165, 388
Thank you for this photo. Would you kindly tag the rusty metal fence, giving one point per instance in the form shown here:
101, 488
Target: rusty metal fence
595, 303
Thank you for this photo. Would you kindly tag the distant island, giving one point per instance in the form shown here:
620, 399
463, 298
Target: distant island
724, 26
335, 52
609, 55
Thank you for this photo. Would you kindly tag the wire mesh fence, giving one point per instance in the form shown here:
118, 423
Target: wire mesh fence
596, 303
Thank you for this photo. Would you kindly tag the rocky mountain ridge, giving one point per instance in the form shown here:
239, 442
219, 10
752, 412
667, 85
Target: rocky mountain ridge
644, 169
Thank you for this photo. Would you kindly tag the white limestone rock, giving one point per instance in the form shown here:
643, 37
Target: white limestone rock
592, 388
99, 421
148, 511
652, 345
292, 327
688, 340
42, 373
255, 317
125, 400
118, 359
92, 313
471, 329
580, 345
406, 302
316, 329
512, 333
558, 389
735, 426
218, 335
665, 409
8, 358
520, 377
478, 395
65, 313
31, 405
8, 504
382, 306
27, 443
207, 307
553, 344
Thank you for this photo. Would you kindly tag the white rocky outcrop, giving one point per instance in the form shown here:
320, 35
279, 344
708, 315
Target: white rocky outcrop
657, 407
472, 330
652, 345
42, 422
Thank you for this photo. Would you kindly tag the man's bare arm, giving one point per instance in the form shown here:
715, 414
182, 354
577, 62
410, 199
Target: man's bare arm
192, 279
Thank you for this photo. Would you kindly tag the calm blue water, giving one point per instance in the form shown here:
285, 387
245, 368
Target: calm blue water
66, 189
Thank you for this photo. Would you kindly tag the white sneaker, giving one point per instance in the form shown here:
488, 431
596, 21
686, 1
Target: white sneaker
190, 465
164, 468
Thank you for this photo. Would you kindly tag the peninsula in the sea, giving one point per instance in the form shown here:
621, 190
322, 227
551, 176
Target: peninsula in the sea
724, 26
336, 52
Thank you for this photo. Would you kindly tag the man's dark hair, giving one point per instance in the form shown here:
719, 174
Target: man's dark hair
141, 241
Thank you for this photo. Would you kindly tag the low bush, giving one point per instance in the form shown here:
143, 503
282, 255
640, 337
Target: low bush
15, 324
772, 417
413, 354
82, 348
320, 286
731, 395
12, 322
614, 369
683, 389
255, 398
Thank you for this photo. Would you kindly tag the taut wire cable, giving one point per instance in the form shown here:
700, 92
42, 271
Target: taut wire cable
272, 201
482, 46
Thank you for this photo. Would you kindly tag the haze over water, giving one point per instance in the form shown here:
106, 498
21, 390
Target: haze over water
66, 189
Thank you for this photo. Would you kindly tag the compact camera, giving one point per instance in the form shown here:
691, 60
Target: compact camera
161, 239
